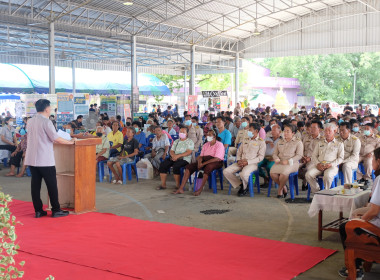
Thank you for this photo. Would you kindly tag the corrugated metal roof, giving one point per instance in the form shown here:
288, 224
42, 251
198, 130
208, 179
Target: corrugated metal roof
170, 26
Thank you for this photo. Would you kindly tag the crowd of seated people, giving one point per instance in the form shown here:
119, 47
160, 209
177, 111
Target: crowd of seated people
313, 143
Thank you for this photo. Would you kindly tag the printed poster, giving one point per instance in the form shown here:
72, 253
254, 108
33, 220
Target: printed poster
192, 105
108, 105
81, 104
223, 103
65, 108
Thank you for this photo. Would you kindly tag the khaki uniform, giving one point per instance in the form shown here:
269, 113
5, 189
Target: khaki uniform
369, 144
301, 135
325, 152
241, 136
195, 134
253, 150
351, 156
308, 147
238, 111
291, 151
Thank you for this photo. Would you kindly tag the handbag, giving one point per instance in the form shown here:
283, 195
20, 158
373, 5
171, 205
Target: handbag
198, 181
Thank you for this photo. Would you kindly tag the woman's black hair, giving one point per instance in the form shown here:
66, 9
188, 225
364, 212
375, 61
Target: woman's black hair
184, 127
215, 134
137, 123
292, 127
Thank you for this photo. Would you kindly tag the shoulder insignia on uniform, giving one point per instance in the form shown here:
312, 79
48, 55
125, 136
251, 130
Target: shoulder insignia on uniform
378, 136
355, 138
261, 139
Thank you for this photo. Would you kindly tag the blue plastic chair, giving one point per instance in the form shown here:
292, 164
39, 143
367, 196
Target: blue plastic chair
101, 170
127, 170
212, 180
175, 137
361, 168
293, 184
226, 157
251, 183
27, 170
341, 177
5, 162
321, 185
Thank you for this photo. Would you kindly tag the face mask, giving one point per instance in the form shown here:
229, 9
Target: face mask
244, 124
128, 124
355, 129
340, 121
99, 134
68, 130
147, 125
10, 123
250, 134
182, 135
188, 122
22, 131
194, 124
366, 132
137, 129
210, 138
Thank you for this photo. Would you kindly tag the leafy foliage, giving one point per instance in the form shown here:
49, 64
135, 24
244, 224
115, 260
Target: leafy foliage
8, 247
171, 81
331, 77
9, 269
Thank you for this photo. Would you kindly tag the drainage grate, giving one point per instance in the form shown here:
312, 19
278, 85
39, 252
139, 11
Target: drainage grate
214, 212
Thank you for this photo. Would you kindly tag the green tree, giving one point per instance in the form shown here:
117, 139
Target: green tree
171, 81
331, 77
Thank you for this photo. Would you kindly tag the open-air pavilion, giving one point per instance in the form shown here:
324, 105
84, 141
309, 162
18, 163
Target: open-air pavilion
162, 235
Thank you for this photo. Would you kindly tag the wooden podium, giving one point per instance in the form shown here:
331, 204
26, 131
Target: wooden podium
76, 174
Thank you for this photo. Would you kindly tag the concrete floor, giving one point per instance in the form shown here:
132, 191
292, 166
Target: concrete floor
260, 216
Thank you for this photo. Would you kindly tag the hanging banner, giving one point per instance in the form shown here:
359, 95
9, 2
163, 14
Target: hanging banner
127, 111
19, 111
108, 105
65, 108
81, 104
192, 104
214, 93
223, 103
121, 101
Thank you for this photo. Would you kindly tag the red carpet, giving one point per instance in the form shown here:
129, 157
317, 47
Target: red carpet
106, 246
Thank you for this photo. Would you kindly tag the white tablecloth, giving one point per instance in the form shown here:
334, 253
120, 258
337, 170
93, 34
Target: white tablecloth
338, 203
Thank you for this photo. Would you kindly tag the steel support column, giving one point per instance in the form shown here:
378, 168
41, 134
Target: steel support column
73, 75
134, 87
192, 66
237, 71
51, 59
185, 89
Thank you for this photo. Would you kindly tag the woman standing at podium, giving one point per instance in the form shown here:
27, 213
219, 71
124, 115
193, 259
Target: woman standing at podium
40, 158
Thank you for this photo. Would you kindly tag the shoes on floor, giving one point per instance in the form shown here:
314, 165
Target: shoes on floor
59, 214
40, 214
241, 189
343, 272
244, 192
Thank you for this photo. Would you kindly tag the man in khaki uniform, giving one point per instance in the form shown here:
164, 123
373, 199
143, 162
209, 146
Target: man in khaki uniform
309, 143
250, 153
195, 134
351, 151
369, 142
237, 110
241, 136
327, 155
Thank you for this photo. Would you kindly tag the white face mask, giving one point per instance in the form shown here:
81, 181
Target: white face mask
210, 138
10, 123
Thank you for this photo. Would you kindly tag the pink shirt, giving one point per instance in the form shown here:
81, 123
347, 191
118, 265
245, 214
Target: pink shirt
262, 133
217, 150
41, 136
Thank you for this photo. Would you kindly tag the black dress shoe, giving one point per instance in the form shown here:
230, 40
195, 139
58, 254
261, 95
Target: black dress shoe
304, 187
241, 189
285, 194
280, 196
244, 192
60, 213
40, 214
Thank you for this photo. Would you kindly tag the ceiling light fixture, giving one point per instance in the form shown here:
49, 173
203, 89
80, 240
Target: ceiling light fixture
128, 3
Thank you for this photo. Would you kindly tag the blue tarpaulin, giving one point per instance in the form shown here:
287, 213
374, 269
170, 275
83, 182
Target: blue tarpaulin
21, 78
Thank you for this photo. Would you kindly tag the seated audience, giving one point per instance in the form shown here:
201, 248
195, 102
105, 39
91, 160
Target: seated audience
287, 153
180, 156
160, 148
116, 139
210, 159
103, 149
249, 154
130, 149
